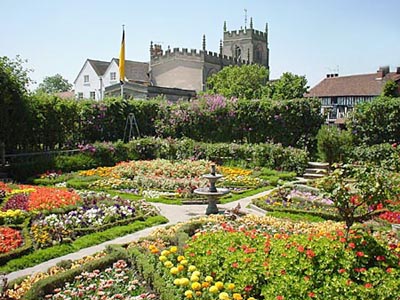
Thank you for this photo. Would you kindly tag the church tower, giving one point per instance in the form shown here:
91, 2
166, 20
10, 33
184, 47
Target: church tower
247, 44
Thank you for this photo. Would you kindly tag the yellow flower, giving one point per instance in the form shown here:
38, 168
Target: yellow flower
213, 289
173, 249
194, 278
168, 264
162, 258
184, 281
180, 268
165, 252
231, 286
174, 271
196, 286
177, 281
251, 298
189, 294
219, 285
223, 296
180, 257
205, 284
209, 279
196, 273
237, 296
192, 268
184, 262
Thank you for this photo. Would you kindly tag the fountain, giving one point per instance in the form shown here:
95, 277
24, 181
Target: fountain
212, 192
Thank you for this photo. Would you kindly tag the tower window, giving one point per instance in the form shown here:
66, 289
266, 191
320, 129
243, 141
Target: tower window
238, 52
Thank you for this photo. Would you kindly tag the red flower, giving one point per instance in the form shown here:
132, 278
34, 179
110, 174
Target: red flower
352, 245
248, 288
368, 285
380, 258
341, 271
310, 253
360, 254
235, 265
300, 248
279, 297
311, 294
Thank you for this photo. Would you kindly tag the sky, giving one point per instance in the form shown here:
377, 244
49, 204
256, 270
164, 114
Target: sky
306, 37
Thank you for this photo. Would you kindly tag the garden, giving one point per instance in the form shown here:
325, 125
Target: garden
331, 238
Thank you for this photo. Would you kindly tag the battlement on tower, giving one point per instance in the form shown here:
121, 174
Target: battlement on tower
245, 33
193, 54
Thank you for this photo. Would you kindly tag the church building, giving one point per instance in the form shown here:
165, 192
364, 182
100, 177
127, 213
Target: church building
176, 73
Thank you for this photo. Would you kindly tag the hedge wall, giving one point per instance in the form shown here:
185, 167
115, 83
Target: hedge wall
54, 123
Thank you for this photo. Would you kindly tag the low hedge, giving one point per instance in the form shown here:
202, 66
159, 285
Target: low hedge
321, 214
46, 286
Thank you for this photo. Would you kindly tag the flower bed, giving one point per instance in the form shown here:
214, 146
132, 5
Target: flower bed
116, 282
291, 199
10, 239
36, 198
260, 258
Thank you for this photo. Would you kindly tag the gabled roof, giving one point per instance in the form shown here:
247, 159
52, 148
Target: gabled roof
135, 70
354, 85
99, 66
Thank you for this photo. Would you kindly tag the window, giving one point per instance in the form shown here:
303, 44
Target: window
80, 95
238, 52
113, 76
86, 79
92, 95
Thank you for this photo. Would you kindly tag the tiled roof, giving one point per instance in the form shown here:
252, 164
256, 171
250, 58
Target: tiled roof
354, 85
135, 71
99, 66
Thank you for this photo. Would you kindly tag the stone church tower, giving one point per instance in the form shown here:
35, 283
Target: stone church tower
188, 69
248, 44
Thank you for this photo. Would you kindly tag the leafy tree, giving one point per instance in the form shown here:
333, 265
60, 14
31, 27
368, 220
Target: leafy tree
359, 192
245, 82
288, 86
14, 81
390, 89
54, 84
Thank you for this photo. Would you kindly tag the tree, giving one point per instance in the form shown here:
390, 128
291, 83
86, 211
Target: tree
54, 84
288, 86
390, 89
359, 192
245, 82
14, 82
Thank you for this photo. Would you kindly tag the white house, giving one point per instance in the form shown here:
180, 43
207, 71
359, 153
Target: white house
96, 75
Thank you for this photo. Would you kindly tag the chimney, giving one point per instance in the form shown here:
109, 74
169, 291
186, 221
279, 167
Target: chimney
382, 72
328, 75
398, 70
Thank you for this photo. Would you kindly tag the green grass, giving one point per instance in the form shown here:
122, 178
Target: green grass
233, 197
96, 238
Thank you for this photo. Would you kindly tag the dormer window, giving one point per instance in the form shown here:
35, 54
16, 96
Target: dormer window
113, 76
86, 79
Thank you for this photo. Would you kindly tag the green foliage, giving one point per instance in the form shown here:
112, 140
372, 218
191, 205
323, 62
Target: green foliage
54, 84
333, 144
245, 82
14, 107
288, 86
383, 155
390, 89
376, 122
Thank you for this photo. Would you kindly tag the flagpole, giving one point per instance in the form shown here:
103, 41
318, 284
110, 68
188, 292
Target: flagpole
122, 62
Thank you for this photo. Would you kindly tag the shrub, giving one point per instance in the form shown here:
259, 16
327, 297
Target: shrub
333, 144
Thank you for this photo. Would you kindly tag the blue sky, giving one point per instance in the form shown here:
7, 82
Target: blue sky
309, 37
